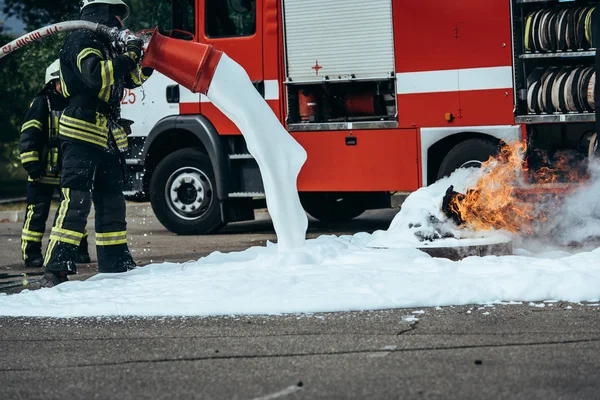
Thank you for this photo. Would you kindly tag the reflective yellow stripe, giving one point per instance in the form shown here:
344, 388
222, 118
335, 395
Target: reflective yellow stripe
26, 228
28, 238
30, 156
51, 245
98, 128
63, 85
96, 134
49, 180
62, 211
120, 137
68, 232
82, 135
87, 52
134, 76
64, 206
111, 242
64, 239
66, 236
111, 238
110, 234
108, 79
32, 233
34, 123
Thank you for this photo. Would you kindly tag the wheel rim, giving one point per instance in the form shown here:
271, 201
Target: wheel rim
189, 193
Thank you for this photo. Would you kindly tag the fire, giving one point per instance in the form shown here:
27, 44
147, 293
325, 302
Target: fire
510, 197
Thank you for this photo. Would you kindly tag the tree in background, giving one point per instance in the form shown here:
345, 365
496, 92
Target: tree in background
21, 77
22, 72
36, 14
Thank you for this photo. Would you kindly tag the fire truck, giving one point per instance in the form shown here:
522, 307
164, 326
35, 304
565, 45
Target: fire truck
386, 96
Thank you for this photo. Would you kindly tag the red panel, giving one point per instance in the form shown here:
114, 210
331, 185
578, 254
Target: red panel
382, 160
486, 107
477, 107
425, 20
224, 125
189, 108
419, 159
427, 109
484, 42
439, 35
271, 39
271, 53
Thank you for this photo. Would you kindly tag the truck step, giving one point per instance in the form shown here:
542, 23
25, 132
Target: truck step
246, 194
243, 156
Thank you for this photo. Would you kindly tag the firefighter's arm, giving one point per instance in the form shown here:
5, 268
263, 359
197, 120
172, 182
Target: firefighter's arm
34, 137
101, 74
137, 77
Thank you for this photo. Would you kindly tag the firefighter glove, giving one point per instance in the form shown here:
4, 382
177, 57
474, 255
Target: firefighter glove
134, 49
35, 170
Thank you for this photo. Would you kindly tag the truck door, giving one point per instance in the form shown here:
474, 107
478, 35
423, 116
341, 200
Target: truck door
234, 27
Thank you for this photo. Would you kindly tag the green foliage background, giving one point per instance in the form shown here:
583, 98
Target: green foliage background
22, 72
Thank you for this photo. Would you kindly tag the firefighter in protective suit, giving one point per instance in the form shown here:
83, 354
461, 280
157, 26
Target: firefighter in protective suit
40, 157
93, 75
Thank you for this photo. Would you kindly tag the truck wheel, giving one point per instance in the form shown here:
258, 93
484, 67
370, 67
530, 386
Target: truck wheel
332, 207
470, 153
183, 195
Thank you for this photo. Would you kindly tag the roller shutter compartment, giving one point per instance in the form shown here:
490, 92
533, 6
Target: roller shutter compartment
338, 39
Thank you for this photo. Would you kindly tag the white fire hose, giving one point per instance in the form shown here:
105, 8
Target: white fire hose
112, 34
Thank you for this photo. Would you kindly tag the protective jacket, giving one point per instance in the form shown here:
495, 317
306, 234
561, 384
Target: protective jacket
93, 78
39, 144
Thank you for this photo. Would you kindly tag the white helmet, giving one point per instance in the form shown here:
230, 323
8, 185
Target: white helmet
53, 72
111, 2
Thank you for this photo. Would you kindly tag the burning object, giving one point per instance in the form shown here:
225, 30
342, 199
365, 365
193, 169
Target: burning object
510, 197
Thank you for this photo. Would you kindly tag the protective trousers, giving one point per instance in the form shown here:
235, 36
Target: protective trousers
39, 198
90, 173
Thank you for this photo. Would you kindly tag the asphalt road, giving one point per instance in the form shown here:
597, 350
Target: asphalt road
504, 351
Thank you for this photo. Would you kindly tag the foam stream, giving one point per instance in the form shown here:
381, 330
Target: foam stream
278, 155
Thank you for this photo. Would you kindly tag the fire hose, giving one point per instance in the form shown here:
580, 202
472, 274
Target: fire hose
113, 34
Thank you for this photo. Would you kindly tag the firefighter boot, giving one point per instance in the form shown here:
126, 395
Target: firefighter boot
34, 262
51, 279
130, 264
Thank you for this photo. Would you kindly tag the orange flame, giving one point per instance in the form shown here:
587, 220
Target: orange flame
502, 198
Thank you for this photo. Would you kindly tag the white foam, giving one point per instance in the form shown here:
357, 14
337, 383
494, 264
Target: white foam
277, 153
329, 274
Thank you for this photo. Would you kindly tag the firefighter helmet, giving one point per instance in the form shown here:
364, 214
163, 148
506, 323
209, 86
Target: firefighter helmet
120, 3
53, 71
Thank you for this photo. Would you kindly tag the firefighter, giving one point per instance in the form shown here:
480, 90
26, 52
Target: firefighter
40, 157
94, 73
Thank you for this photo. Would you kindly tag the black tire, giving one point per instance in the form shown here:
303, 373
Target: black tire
183, 193
470, 153
332, 207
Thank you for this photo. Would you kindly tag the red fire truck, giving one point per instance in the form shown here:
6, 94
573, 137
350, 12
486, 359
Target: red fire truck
385, 96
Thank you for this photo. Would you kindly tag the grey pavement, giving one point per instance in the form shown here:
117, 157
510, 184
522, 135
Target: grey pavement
468, 352
514, 352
